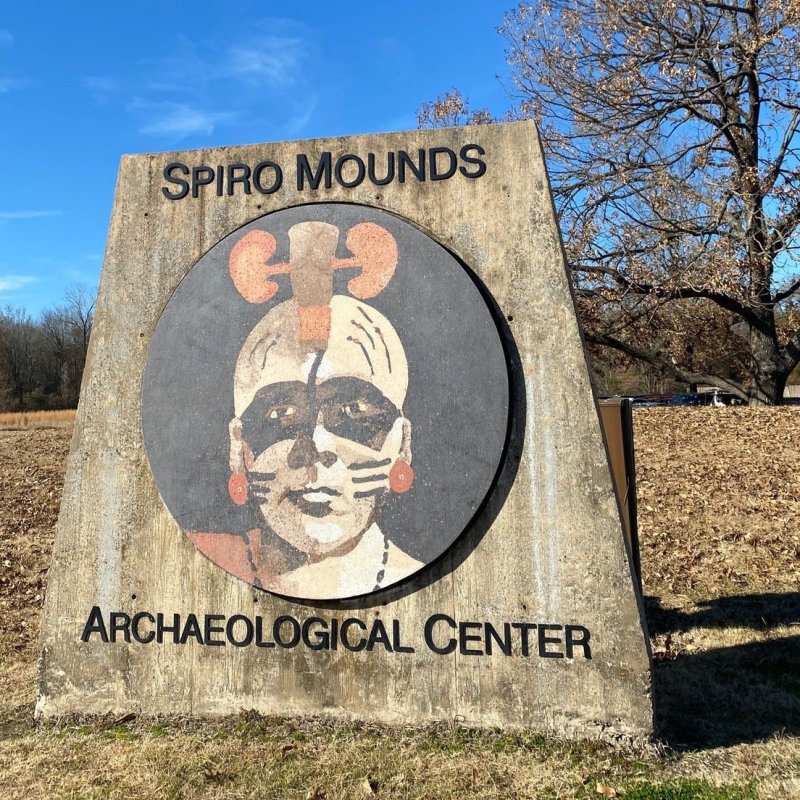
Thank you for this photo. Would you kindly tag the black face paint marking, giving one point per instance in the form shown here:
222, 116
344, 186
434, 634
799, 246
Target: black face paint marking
354, 409
370, 478
364, 331
278, 412
370, 493
367, 316
269, 347
364, 351
350, 408
386, 349
371, 464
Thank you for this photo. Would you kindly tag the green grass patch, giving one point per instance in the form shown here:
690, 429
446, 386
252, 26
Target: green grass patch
688, 789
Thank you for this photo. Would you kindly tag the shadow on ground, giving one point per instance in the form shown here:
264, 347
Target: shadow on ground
757, 611
728, 695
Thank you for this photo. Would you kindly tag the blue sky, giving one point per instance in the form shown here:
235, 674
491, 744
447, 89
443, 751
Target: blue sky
83, 83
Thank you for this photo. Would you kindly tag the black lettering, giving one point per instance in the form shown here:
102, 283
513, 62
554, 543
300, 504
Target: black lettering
451, 645
220, 176
544, 640
378, 635
191, 629
339, 170
490, 634
361, 643
211, 629
480, 164
276, 631
168, 176
137, 618
334, 634
399, 648
464, 637
248, 631
433, 165
201, 176
276, 182
260, 634
233, 178
577, 635
120, 623
304, 171
95, 624
404, 160
524, 628
321, 637
161, 628
389, 169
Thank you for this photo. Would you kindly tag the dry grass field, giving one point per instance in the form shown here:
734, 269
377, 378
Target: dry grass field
719, 516
25, 420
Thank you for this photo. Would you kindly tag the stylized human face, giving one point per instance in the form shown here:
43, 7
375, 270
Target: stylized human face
321, 455
317, 430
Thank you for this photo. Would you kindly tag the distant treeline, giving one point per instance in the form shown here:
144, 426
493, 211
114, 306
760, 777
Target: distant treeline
42, 360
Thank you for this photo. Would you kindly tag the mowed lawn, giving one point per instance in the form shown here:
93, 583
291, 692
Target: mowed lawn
719, 517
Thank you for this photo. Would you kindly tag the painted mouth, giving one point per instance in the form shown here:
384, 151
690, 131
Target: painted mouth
313, 500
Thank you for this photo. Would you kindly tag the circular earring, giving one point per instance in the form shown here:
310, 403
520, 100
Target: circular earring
238, 488
401, 476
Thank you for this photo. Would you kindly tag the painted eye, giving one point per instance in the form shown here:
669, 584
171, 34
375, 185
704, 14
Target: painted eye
284, 413
357, 409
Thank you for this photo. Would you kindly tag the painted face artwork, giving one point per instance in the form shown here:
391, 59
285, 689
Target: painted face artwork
320, 432
309, 406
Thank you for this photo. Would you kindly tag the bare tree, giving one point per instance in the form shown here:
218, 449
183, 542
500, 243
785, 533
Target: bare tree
672, 131
18, 347
42, 362
673, 139
450, 109
67, 328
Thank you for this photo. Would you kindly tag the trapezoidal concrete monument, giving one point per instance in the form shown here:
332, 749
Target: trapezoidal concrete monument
337, 451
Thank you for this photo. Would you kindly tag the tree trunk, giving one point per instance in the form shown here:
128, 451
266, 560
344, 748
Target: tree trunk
768, 372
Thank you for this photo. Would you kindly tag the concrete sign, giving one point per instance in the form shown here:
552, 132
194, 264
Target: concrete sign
337, 450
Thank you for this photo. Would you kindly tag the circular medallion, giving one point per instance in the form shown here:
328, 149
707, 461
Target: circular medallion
325, 402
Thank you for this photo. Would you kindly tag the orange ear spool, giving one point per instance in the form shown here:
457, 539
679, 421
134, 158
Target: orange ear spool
238, 488
401, 476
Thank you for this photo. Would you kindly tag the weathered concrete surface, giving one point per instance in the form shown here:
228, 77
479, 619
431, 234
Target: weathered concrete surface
547, 548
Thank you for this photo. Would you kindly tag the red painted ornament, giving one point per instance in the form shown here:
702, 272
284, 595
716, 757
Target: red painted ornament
238, 488
401, 476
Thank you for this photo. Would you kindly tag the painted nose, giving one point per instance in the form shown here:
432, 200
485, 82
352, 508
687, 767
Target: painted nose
304, 453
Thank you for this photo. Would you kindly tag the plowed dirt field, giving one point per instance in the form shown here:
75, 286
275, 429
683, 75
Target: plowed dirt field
719, 523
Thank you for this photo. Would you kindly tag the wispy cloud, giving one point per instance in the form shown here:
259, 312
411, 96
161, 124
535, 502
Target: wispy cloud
300, 116
275, 60
205, 85
177, 120
7, 84
6, 216
102, 87
6, 39
12, 283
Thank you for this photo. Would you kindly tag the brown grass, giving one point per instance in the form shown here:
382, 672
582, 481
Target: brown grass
718, 495
23, 420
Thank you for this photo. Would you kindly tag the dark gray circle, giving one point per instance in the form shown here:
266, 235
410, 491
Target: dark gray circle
457, 401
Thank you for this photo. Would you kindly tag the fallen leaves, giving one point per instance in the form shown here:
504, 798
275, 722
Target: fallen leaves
605, 790
718, 495
31, 476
